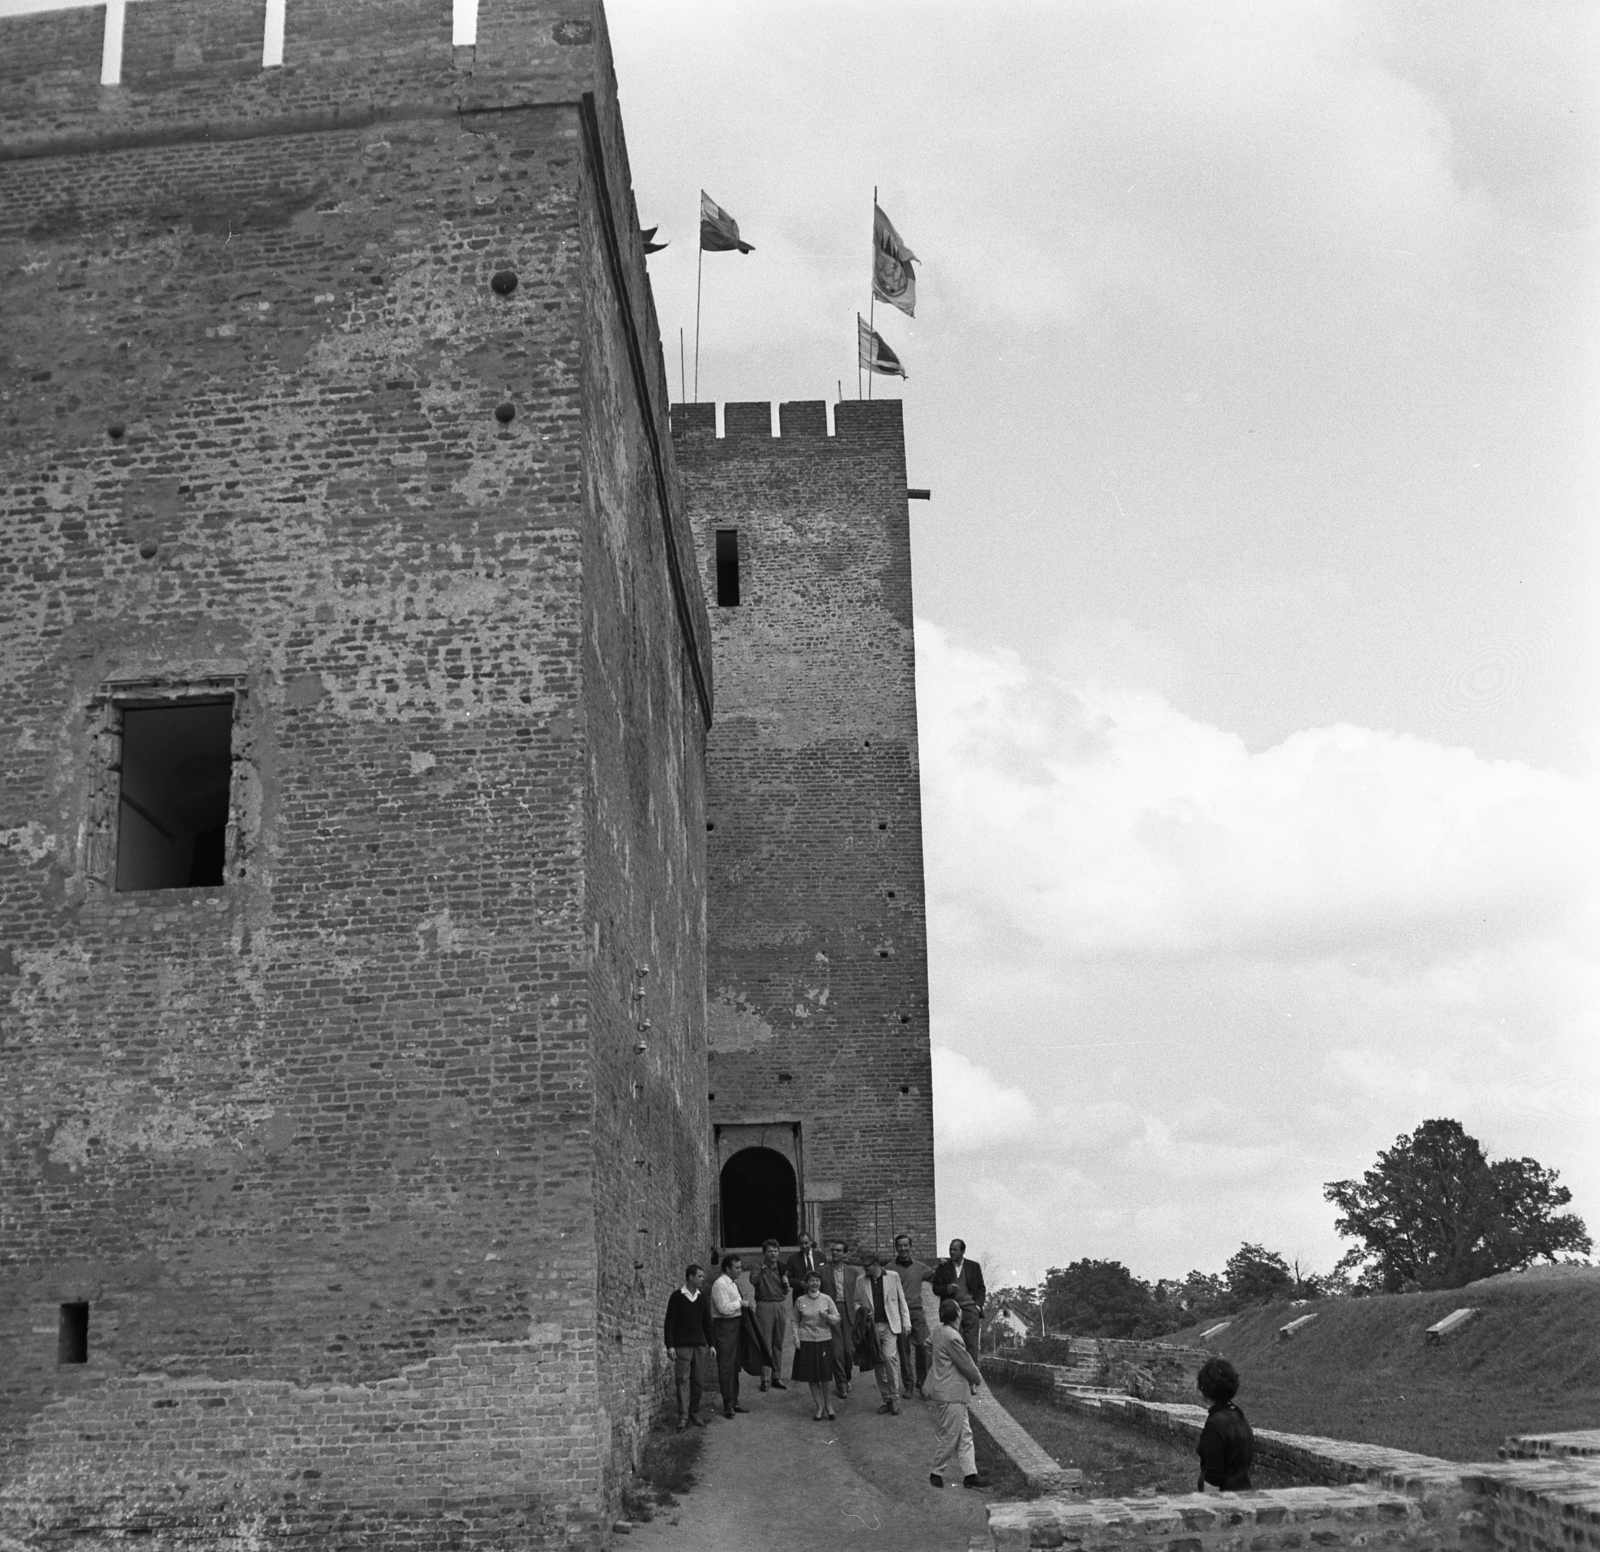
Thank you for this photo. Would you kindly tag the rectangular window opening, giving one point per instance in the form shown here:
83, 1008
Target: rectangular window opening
464, 23
728, 568
72, 1346
176, 787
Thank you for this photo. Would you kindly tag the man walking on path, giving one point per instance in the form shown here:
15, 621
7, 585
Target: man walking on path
962, 1280
772, 1310
913, 1343
880, 1295
688, 1334
953, 1380
839, 1283
727, 1313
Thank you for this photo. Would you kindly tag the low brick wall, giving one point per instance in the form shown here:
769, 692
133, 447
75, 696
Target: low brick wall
1580, 1444
1542, 1496
1156, 1371
1194, 1522
1544, 1507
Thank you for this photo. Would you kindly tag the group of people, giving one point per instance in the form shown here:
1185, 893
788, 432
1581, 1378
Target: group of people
845, 1315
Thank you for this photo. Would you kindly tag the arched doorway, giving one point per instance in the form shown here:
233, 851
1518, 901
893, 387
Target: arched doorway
760, 1198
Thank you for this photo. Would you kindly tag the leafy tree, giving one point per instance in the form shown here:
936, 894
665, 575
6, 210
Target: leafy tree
1258, 1276
1098, 1298
1436, 1211
1205, 1296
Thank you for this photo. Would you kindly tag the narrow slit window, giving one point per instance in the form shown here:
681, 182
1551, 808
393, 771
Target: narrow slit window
728, 568
72, 1345
177, 772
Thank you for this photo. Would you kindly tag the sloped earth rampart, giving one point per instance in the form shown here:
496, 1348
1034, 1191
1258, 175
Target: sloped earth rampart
1528, 1363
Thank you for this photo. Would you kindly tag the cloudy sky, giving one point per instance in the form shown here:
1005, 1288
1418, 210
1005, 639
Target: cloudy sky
1255, 377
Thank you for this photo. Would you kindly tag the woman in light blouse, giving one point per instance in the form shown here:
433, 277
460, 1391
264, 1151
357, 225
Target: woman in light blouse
816, 1318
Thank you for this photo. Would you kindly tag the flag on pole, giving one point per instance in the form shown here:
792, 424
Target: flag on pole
893, 279
719, 232
875, 355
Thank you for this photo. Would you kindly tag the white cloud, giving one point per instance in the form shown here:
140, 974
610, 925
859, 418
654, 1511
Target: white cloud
1106, 821
971, 1110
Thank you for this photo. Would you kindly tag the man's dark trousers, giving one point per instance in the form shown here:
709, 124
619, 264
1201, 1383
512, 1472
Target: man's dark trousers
725, 1329
686, 1377
913, 1342
971, 1327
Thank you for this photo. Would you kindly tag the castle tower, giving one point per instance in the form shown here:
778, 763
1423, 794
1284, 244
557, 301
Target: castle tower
354, 679
817, 981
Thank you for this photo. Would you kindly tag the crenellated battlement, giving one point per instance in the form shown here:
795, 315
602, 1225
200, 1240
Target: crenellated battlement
195, 67
748, 424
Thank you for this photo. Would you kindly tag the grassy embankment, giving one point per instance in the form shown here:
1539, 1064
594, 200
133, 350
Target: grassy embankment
1529, 1363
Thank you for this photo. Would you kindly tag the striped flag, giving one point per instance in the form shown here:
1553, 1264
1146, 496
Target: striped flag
875, 355
719, 232
893, 279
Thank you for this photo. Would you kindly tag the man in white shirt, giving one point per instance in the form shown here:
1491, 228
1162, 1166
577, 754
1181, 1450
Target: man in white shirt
727, 1312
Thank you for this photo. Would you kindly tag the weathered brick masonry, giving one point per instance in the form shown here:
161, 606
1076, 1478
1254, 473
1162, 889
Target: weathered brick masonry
371, 1193
817, 1000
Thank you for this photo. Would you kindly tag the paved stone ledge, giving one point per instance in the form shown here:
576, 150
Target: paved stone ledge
1042, 1471
1294, 1517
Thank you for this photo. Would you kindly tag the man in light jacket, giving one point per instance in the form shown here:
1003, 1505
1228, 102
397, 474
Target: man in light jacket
953, 1380
880, 1294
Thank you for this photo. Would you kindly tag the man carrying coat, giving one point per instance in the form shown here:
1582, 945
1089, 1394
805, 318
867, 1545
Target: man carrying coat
882, 1300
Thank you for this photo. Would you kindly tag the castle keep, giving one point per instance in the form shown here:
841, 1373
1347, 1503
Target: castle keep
816, 975
368, 847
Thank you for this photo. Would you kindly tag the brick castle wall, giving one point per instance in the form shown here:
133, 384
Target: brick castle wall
342, 1153
817, 1001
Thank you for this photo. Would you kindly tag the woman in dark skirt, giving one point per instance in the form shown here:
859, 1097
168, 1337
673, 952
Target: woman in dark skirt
816, 1317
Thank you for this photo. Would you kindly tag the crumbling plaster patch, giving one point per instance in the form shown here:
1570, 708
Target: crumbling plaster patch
733, 1025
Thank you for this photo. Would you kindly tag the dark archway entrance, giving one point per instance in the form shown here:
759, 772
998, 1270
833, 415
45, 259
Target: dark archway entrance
760, 1199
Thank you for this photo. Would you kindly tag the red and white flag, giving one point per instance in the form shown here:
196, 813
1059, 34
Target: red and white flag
875, 355
893, 279
719, 232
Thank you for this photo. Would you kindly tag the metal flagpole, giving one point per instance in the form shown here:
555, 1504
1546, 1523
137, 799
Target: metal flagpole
698, 276
872, 289
683, 386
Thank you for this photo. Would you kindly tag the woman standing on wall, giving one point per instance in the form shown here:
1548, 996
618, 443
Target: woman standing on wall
816, 1319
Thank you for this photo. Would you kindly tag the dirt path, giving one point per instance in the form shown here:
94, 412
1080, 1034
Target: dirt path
773, 1480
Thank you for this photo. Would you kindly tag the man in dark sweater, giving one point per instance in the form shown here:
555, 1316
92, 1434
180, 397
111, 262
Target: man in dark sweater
1227, 1445
688, 1336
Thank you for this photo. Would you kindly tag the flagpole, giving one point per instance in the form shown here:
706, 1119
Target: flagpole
872, 289
683, 389
699, 275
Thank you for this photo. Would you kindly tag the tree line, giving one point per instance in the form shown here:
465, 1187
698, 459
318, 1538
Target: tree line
1433, 1212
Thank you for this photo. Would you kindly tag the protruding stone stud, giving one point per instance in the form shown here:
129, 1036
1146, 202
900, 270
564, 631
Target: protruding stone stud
504, 282
505, 413
148, 549
115, 430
